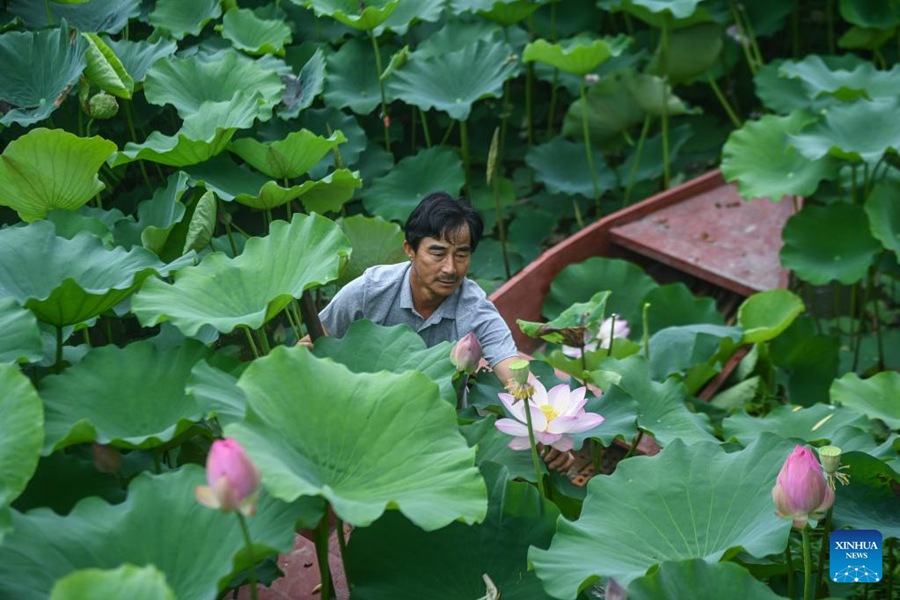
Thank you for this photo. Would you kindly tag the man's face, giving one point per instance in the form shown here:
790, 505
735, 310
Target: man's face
439, 266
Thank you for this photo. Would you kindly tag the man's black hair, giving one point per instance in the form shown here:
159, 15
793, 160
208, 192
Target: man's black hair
440, 214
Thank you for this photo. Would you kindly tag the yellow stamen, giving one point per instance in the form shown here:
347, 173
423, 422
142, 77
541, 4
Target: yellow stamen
549, 412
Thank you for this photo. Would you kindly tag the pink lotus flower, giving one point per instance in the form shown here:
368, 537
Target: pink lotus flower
800, 492
608, 330
554, 414
466, 354
233, 479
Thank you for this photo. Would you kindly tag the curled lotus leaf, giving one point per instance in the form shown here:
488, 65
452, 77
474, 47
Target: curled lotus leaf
184, 18
125, 581
883, 211
287, 158
765, 315
301, 90
21, 340
706, 582
352, 82
255, 35
94, 16
364, 16
138, 56
846, 82
105, 70
875, 396
819, 424
872, 15
568, 328
578, 56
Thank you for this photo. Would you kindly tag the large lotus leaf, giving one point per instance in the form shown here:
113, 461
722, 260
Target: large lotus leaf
255, 35
184, 18
287, 158
204, 134
860, 131
365, 442
301, 90
126, 581
21, 439
578, 282
569, 327
38, 70
578, 56
395, 559
883, 211
875, 15
612, 109
374, 241
156, 217
691, 52
64, 479
104, 69
89, 402
21, 341
216, 393
322, 195
138, 57
366, 16
653, 94
188, 83
395, 195
704, 580
51, 168
661, 408
326, 121
765, 166
809, 361
824, 243
370, 348
694, 501
674, 305
109, 16
870, 501
679, 9
765, 315
454, 81
692, 352
226, 293
875, 397
352, 80
845, 83
816, 424
228, 179
562, 166
65, 282
159, 524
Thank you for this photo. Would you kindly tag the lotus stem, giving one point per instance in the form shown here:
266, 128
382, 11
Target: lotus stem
646, 333
789, 560
551, 112
743, 37
310, 316
807, 565
612, 337
464, 148
529, 102
385, 118
250, 341
425, 130
587, 147
892, 565
634, 444
342, 543
534, 453
665, 105
878, 335
263, 340
724, 101
448, 132
57, 365
322, 533
637, 160
248, 542
821, 568
49, 12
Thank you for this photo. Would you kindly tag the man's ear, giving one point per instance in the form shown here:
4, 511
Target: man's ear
408, 249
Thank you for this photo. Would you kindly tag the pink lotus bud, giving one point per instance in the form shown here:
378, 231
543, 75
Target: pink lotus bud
107, 459
233, 479
466, 354
800, 492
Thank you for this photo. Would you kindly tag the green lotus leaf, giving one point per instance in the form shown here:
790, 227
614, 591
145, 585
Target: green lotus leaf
847, 83
456, 34
393, 558
693, 352
203, 135
870, 501
230, 180
159, 524
65, 282
661, 408
156, 217
22, 50
98, 222
562, 166
138, 57
765, 315
809, 361
673, 305
62, 480
227, 293
817, 424
687, 502
51, 168
287, 158
407, 13
395, 195
324, 122
301, 90
23, 435
454, 81
612, 110
255, 35
861, 38
21, 341
884, 214
648, 162
391, 441
370, 348
85, 403
877, 15
578, 56
653, 94
189, 83
861, 131
202, 225
765, 166
184, 18
875, 397
365, 17
824, 243
352, 80
216, 393
510, 12
569, 327
110, 16
492, 446
374, 241
680, 9
329, 193
126, 581
691, 52
706, 582
104, 69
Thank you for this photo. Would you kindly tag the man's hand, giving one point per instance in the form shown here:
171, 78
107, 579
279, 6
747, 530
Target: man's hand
555, 459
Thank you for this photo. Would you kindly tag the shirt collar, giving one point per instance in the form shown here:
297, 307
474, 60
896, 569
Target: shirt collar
447, 309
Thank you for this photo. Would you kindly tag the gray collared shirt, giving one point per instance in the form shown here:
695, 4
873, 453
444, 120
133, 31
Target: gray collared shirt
383, 295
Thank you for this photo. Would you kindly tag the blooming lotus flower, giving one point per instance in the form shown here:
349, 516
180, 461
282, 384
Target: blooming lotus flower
554, 414
466, 354
610, 328
800, 492
233, 479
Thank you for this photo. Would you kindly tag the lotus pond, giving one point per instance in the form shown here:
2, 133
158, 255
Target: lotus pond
183, 184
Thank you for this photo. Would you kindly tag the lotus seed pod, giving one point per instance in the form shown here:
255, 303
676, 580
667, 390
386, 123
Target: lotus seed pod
102, 106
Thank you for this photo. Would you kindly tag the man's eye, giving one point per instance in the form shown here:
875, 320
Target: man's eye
462, 255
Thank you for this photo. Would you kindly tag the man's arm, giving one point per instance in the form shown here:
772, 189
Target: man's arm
502, 370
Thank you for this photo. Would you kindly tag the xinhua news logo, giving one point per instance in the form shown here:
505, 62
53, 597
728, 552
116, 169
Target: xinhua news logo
855, 556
